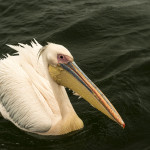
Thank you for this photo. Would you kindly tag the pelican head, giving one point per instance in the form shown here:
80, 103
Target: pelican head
65, 72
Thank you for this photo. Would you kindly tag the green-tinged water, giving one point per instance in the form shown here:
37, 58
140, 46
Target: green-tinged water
110, 41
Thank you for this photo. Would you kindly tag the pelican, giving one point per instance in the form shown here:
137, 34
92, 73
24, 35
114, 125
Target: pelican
33, 95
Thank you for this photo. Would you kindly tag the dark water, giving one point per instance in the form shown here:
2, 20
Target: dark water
110, 40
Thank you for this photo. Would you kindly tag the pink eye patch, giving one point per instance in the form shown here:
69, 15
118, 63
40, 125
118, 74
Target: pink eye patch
63, 59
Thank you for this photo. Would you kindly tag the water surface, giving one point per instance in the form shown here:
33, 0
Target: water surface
110, 41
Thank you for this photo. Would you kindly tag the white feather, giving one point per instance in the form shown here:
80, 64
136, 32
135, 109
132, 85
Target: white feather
25, 80
29, 98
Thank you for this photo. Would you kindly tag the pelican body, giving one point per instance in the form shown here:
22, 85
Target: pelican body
33, 95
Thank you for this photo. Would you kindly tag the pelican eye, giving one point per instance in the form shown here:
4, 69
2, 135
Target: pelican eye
61, 56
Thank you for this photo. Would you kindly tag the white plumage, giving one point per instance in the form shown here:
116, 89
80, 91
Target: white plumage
24, 90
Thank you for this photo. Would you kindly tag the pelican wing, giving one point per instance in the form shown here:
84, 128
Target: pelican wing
26, 98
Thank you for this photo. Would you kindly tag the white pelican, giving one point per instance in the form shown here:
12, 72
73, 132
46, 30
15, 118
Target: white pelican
33, 95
